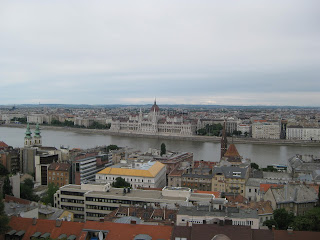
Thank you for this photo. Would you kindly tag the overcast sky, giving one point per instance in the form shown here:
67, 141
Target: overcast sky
182, 52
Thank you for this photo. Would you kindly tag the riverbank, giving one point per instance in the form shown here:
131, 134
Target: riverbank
169, 137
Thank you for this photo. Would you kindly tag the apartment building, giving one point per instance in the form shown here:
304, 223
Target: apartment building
87, 165
94, 201
294, 198
59, 174
230, 179
266, 130
138, 173
206, 215
302, 133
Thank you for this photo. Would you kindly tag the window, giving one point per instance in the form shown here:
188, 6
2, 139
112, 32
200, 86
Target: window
249, 189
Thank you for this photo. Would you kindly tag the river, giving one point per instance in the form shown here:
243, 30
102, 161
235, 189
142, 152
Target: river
209, 151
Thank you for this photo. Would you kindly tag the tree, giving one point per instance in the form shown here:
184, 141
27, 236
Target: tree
26, 190
4, 220
112, 147
270, 223
319, 197
308, 222
254, 165
283, 218
163, 149
120, 183
49, 197
3, 170
7, 188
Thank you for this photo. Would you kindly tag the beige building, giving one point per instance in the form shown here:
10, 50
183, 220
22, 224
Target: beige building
266, 130
139, 173
230, 179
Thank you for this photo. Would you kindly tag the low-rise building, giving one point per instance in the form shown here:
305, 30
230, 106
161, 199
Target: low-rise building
59, 174
230, 179
140, 174
94, 201
197, 178
266, 130
294, 198
205, 215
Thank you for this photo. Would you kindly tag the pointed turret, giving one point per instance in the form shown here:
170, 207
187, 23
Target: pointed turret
37, 141
28, 137
224, 141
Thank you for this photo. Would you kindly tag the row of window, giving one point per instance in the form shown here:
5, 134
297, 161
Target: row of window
105, 208
72, 193
81, 216
72, 200
58, 174
242, 223
72, 208
93, 199
89, 214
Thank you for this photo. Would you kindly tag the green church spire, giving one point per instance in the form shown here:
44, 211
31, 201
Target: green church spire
37, 131
28, 132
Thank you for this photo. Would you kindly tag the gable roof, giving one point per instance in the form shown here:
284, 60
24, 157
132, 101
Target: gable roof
3, 144
59, 166
232, 151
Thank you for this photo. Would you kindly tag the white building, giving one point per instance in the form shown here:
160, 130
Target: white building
206, 215
94, 201
39, 118
244, 128
266, 130
154, 123
138, 174
301, 133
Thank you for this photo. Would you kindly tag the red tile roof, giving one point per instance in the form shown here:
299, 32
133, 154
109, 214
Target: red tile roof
59, 166
3, 144
295, 235
43, 226
265, 186
115, 230
9, 198
232, 151
129, 231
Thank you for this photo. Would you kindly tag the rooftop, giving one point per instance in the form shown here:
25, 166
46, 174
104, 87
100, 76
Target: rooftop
150, 169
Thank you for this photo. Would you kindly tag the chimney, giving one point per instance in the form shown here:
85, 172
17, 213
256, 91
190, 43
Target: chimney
101, 219
290, 230
58, 222
34, 221
273, 227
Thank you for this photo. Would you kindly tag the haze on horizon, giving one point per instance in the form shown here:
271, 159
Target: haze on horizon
182, 52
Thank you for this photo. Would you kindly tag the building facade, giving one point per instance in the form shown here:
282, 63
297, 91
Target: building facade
59, 174
266, 130
301, 133
139, 174
95, 201
154, 123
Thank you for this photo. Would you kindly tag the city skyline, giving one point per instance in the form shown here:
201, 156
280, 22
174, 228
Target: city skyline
205, 53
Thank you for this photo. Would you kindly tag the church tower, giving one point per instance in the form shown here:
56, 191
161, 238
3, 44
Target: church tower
27, 138
37, 139
224, 141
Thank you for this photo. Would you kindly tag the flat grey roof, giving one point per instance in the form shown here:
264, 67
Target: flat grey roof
204, 211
